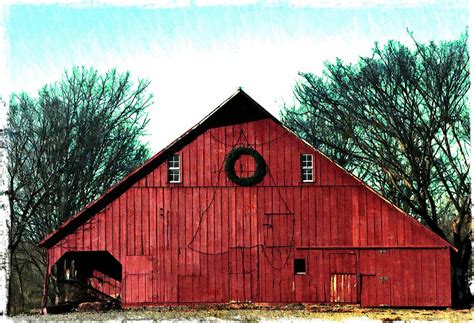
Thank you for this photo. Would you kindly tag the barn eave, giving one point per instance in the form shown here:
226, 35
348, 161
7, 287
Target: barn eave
211, 120
222, 115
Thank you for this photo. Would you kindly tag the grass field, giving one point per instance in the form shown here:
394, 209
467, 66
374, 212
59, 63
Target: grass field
252, 313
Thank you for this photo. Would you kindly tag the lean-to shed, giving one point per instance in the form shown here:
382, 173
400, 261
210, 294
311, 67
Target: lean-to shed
239, 209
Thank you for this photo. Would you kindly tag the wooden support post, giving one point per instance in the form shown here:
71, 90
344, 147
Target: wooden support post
44, 296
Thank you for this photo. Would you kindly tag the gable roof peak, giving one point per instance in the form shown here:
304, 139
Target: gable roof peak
239, 107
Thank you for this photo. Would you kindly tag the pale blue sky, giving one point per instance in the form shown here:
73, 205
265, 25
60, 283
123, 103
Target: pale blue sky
197, 55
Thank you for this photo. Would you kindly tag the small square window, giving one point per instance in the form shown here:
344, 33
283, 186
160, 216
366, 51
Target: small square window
306, 167
174, 174
300, 266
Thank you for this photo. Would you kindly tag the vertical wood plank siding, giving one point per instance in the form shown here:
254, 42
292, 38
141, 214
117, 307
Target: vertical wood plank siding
208, 240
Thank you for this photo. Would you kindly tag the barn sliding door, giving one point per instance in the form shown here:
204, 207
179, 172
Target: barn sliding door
343, 288
343, 278
376, 278
243, 274
138, 287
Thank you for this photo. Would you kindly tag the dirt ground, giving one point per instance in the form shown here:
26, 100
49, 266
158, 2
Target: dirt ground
253, 313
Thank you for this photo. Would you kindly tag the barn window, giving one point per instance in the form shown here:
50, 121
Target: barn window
306, 167
174, 174
300, 266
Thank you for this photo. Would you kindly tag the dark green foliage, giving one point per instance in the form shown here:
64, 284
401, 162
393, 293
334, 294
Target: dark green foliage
68, 144
400, 120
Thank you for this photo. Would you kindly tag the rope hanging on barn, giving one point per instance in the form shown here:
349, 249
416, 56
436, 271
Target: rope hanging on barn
288, 248
286, 133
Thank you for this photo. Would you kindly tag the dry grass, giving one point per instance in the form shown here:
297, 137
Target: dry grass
254, 313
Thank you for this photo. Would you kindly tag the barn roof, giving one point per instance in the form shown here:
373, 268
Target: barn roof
239, 107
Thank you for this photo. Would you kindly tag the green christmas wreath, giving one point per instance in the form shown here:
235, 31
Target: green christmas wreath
260, 170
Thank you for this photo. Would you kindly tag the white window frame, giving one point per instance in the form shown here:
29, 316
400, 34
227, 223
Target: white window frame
305, 168
170, 168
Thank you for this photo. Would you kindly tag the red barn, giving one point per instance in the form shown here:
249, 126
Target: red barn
239, 209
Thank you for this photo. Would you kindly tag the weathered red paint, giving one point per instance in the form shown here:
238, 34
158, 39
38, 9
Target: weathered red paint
207, 240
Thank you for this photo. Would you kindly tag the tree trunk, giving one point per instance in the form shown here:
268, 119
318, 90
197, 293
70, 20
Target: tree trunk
461, 294
44, 296
10, 282
19, 273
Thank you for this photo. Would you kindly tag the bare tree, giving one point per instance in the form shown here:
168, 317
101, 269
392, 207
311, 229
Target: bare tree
66, 146
400, 120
